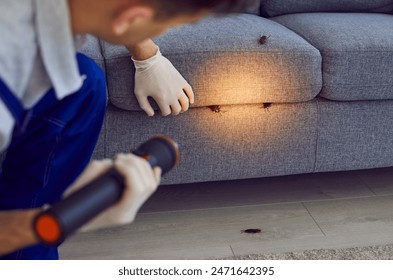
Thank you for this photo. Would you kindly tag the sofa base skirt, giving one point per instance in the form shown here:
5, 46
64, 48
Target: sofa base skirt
251, 141
234, 142
354, 135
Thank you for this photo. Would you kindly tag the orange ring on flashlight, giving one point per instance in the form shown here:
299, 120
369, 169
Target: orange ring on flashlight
48, 229
173, 144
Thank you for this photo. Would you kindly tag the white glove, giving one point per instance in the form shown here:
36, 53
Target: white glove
158, 78
140, 183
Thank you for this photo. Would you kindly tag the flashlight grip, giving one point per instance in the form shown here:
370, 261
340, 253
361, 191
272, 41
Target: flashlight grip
55, 224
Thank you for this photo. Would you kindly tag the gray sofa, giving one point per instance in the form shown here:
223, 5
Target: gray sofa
317, 96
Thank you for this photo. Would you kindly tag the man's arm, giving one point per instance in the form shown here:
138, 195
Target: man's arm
144, 50
141, 181
16, 230
156, 77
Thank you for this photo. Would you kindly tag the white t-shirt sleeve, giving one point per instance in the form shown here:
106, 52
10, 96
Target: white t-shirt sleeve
6, 126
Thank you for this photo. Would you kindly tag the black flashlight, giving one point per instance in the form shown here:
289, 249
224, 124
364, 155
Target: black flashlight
55, 224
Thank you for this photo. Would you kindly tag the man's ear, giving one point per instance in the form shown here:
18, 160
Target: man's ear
128, 16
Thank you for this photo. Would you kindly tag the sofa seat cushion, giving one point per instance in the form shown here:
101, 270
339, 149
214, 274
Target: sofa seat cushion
226, 65
281, 7
357, 52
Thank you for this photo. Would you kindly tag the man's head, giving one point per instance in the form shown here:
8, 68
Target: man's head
170, 8
128, 22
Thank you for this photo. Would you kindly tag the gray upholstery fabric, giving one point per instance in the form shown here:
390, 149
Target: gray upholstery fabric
225, 64
92, 48
281, 7
354, 135
244, 141
255, 9
357, 52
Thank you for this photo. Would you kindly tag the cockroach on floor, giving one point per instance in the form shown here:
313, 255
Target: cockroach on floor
263, 39
251, 230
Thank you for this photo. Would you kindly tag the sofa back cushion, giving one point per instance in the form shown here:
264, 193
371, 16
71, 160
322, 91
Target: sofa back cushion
255, 8
273, 8
356, 49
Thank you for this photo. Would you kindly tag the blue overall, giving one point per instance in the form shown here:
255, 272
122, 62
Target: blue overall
51, 146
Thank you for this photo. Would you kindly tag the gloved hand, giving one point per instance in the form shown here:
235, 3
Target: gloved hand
140, 181
158, 78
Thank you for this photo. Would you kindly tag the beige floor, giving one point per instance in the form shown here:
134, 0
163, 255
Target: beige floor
201, 221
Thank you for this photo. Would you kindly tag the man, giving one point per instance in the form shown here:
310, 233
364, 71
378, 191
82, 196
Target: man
52, 103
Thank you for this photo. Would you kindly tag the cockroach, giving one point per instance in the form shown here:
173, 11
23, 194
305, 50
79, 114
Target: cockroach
251, 230
263, 39
215, 108
266, 106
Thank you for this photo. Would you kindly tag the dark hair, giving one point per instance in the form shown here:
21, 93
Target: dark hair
168, 8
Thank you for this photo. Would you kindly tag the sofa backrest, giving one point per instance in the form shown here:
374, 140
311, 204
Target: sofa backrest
254, 9
271, 8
